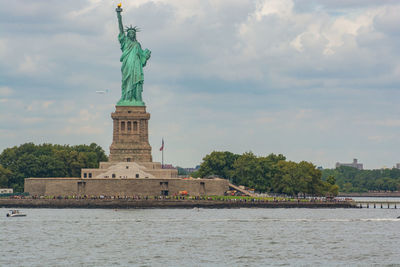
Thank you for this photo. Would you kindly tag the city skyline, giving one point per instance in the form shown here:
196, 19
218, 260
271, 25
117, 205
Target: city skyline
315, 82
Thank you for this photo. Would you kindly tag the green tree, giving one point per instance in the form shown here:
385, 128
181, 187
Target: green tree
286, 179
270, 168
217, 163
47, 160
298, 178
332, 190
5, 175
331, 179
310, 179
353, 180
271, 173
248, 171
347, 187
181, 171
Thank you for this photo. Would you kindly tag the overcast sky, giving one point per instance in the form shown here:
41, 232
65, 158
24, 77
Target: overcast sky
313, 80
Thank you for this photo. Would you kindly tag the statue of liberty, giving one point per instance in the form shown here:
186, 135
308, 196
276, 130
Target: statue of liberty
133, 60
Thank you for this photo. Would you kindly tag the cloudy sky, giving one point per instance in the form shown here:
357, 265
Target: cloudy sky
313, 80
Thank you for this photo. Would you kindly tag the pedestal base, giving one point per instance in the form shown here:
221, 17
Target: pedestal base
130, 135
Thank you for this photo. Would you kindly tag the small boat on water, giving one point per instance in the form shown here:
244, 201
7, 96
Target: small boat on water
15, 213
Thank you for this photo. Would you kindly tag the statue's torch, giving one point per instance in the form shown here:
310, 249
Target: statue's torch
119, 9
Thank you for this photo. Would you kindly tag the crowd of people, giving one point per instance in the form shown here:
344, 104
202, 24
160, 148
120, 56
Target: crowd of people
187, 198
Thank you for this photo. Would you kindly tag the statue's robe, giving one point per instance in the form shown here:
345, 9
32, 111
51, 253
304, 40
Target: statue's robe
133, 60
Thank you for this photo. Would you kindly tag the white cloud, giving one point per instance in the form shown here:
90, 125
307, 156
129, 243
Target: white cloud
343, 27
34, 65
84, 116
281, 8
316, 82
28, 66
38, 105
90, 7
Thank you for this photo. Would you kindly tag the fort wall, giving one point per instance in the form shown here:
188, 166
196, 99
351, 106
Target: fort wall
124, 187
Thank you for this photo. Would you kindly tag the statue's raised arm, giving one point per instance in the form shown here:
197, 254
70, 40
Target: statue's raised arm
121, 27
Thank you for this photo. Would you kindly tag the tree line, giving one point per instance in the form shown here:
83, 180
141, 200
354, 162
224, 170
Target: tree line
46, 160
272, 173
351, 179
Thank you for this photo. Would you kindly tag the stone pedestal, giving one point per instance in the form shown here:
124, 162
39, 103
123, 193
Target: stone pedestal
130, 135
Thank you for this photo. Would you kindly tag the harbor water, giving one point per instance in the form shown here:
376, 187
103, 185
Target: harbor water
201, 237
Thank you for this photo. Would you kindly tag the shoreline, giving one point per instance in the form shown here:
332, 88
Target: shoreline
161, 204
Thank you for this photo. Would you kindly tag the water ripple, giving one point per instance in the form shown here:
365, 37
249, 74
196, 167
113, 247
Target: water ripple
234, 237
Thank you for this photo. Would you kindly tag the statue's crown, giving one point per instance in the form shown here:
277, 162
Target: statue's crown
130, 28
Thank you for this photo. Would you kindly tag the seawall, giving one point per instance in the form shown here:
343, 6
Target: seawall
148, 204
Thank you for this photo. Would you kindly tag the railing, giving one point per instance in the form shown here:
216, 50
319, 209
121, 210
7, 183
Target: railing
377, 204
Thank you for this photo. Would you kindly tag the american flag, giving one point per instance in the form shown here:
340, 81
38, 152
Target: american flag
162, 145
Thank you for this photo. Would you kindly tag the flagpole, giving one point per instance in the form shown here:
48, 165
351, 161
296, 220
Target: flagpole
162, 153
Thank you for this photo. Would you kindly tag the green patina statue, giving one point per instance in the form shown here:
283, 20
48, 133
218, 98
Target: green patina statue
133, 60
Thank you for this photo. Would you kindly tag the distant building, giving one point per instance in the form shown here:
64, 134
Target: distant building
191, 170
398, 166
168, 166
354, 164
